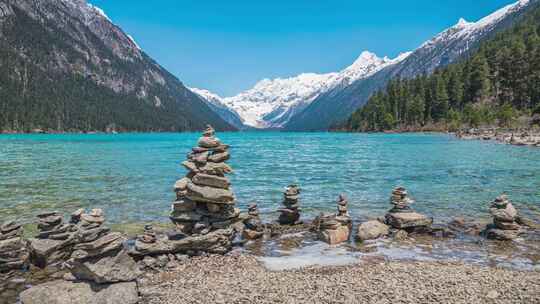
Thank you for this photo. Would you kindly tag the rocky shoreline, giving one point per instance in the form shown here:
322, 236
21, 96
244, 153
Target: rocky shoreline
529, 138
79, 257
242, 279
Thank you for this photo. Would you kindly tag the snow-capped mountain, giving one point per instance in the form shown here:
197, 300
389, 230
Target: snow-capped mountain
272, 102
216, 104
336, 105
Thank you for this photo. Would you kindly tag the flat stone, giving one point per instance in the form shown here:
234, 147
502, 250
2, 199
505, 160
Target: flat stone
218, 241
190, 166
372, 230
249, 234
219, 169
219, 157
92, 219
91, 235
103, 245
9, 227
502, 235
184, 205
202, 179
208, 142
210, 195
66, 292
506, 225
118, 266
181, 216
199, 158
407, 220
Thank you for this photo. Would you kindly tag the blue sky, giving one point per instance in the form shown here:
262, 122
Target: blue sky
226, 46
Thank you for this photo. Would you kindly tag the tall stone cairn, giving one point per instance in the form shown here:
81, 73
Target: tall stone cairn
505, 226
402, 216
204, 200
290, 215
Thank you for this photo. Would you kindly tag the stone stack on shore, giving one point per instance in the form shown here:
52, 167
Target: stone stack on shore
402, 216
13, 261
13, 252
505, 216
253, 225
101, 268
290, 215
204, 211
336, 228
54, 242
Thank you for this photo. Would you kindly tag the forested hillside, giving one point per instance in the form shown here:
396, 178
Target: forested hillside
64, 66
494, 86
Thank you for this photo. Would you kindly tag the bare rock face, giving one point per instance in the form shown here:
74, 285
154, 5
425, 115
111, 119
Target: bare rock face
372, 230
66, 292
112, 267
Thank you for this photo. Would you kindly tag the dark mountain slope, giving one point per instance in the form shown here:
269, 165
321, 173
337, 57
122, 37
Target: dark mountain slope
64, 66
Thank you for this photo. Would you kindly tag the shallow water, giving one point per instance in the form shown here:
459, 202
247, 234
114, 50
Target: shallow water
131, 175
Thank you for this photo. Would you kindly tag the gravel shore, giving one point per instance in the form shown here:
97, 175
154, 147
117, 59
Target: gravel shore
242, 279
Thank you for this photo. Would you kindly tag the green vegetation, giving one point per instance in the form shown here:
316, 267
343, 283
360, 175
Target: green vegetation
496, 84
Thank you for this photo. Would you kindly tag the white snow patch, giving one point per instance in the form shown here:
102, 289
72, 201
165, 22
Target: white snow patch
99, 11
133, 41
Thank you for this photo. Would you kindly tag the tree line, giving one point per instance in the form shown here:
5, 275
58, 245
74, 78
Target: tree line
496, 84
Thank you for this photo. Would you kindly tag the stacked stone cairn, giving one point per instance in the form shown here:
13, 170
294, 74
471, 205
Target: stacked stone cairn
54, 242
204, 211
290, 215
99, 265
336, 228
13, 260
402, 216
505, 217
254, 228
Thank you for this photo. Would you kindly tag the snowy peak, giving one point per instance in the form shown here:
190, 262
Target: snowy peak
271, 102
468, 30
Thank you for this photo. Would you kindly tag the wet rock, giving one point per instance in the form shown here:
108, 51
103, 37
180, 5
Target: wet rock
66, 292
408, 220
502, 235
372, 230
290, 215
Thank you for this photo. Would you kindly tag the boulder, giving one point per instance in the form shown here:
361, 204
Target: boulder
209, 195
407, 220
335, 236
372, 230
202, 179
114, 267
66, 292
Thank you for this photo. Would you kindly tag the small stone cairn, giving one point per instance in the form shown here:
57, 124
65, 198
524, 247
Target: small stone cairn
13, 260
13, 252
402, 216
290, 215
204, 211
97, 261
505, 216
253, 226
335, 229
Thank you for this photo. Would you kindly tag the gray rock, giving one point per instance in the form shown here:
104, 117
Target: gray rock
219, 169
407, 220
181, 184
114, 267
209, 195
66, 292
371, 230
506, 214
202, 179
502, 235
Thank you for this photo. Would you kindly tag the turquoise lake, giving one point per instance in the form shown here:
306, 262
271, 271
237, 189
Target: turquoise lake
131, 176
